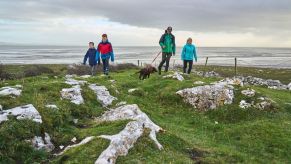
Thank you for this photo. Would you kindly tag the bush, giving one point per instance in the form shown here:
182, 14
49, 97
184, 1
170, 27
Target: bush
5, 75
37, 70
86, 70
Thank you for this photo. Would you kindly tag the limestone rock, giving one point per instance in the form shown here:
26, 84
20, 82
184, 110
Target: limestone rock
249, 92
244, 105
40, 143
103, 95
22, 112
51, 106
84, 141
208, 97
124, 140
73, 94
176, 75
11, 91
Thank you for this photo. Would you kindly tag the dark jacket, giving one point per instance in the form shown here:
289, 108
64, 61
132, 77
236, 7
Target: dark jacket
91, 54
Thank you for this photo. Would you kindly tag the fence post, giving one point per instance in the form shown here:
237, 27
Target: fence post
137, 62
235, 66
205, 66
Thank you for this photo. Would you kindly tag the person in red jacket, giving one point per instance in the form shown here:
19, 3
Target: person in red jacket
105, 52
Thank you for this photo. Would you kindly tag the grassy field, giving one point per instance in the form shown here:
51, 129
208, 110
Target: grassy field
226, 135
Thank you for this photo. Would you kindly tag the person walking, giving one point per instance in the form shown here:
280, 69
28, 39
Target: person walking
105, 49
167, 43
187, 55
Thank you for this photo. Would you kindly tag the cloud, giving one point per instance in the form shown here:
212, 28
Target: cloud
255, 19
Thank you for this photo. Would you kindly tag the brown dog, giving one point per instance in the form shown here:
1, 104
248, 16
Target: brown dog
146, 72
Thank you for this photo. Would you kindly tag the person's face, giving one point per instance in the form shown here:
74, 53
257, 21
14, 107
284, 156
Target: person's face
104, 39
189, 41
91, 45
169, 30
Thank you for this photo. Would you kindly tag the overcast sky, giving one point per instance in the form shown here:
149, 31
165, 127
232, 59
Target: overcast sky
247, 23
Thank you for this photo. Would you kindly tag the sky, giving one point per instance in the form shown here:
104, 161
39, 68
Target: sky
211, 23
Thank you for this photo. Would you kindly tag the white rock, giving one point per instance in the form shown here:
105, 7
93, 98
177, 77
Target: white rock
124, 140
51, 106
289, 86
132, 90
70, 76
121, 103
61, 147
74, 139
198, 82
85, 76
230, 81
112, 81
75, 121
73, 94
208, 96
13, 91
103, 95
40, 143
216, 122
84, 141
22, 112
75, 82
176, 75
244, 105
249, 92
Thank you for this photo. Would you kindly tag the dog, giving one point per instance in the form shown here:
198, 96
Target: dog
146, 72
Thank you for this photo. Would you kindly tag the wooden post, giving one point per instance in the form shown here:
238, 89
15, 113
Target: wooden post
205, 66
137, 62
235, 66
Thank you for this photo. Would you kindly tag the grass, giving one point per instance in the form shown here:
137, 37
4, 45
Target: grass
241, 135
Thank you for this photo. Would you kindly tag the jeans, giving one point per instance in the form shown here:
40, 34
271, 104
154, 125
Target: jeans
165, 58
185, 66
105, 63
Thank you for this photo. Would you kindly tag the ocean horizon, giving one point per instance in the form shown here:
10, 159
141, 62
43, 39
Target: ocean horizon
223, 56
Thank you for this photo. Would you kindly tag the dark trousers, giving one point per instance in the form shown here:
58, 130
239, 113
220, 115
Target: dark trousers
105, 63
190, 62
93, 69
165, 58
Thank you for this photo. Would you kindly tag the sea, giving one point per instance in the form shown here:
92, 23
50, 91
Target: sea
223, 56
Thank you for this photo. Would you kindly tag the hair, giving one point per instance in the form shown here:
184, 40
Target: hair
91, 43
104, 35
188, 40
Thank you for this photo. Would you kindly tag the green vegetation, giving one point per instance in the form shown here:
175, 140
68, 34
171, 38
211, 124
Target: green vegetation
226, 135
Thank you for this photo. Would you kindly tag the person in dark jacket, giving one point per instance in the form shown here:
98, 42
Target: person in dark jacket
91, 54
167, 43
105, 52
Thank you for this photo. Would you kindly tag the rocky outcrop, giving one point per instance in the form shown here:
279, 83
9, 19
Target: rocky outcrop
176, 75
207, 74
43, 143
208, 97
73, 94
124, 140
84, 141
11, 91
51, 106
244, 105
273, 84
103, 95
249, 92
22, 112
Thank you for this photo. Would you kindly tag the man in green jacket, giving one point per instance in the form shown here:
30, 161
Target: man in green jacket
167, 43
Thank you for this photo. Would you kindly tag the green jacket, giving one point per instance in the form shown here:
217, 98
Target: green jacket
168, 40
